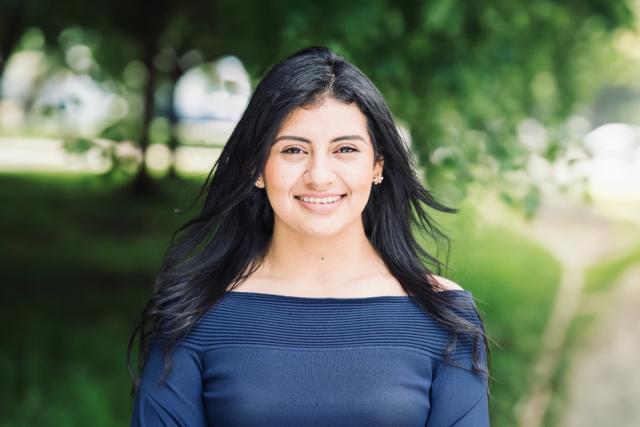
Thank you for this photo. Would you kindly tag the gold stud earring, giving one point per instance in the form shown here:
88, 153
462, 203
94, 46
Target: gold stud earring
377, 179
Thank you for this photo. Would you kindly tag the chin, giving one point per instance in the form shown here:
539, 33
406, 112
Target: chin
322, 232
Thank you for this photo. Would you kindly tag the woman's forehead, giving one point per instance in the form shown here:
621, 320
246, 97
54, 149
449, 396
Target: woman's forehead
330, 119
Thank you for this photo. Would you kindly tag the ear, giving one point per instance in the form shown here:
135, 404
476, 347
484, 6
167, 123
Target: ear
378, 166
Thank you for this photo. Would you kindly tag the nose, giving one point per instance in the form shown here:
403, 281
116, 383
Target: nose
320, 172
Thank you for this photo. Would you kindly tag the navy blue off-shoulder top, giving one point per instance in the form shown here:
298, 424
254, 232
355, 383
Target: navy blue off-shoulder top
257, 359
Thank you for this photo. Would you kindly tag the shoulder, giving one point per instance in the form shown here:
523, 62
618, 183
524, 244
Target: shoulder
446, 284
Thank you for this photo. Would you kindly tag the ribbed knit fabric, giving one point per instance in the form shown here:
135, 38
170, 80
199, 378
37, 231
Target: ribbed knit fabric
259, 359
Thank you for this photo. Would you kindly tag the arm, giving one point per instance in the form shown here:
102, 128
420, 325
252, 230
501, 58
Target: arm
458, 398
178, 400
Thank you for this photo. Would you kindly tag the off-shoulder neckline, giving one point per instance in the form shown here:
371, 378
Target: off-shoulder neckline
338, 299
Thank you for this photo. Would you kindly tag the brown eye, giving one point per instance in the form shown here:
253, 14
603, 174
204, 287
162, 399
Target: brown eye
351, 149
296, 150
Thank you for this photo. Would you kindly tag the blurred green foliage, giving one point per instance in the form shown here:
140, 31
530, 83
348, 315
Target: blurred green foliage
602, 276
461, 75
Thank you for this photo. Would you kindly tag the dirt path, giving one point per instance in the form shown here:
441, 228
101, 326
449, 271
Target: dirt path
604, 380
578, 237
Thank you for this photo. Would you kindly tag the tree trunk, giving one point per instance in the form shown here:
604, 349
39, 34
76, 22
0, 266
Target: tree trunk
176, 73
10, 38
142, 183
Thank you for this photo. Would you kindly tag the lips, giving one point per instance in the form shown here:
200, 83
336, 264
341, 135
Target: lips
320, 207
319, 196
327, 199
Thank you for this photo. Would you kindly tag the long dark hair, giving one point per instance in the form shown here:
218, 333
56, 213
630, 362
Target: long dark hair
227, 241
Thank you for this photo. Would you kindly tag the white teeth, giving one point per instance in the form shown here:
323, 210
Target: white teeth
320, 200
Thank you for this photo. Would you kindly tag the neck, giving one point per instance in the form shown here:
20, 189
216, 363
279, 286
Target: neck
310, 263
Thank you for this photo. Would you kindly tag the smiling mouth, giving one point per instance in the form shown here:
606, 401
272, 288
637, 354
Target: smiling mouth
318, 201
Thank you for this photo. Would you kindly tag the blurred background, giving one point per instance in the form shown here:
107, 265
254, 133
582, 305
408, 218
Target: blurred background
523, 114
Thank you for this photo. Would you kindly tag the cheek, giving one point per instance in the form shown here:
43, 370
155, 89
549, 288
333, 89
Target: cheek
360, 177
279, 175
281, 181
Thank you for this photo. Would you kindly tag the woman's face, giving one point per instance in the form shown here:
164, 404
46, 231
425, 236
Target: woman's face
321, 153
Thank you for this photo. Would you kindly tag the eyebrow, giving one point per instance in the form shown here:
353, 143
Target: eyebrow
299, 138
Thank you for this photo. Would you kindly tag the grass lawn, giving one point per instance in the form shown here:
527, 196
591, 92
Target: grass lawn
81, 260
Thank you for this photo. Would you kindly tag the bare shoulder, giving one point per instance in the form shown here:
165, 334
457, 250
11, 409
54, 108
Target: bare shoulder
446, 284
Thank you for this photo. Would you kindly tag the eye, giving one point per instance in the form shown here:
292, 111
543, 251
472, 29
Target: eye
298, 150
351, 149
288, 150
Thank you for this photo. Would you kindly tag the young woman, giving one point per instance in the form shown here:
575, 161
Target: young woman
299, 296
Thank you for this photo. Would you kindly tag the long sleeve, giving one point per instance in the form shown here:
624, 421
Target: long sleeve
178, 400
458, 398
